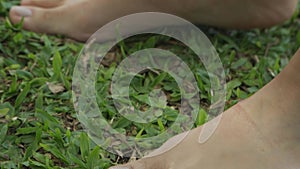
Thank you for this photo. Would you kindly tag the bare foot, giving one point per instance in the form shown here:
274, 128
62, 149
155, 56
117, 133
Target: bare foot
261, 132
78, 19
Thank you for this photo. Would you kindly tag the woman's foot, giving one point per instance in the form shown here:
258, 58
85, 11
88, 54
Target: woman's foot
262, 132
78, 19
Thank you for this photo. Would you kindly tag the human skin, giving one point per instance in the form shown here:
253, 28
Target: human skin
261, 132
78, 19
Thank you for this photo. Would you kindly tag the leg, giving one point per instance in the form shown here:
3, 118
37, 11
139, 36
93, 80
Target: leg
261, 132
78, 19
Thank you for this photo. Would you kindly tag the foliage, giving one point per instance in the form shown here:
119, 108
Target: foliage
38, 125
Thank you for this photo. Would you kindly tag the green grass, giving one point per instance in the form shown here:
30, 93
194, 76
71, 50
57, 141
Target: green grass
38, 124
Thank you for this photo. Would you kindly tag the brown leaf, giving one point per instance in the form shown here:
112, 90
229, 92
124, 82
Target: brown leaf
55, 88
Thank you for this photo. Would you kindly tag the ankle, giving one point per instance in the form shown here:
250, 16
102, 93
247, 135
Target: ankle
274, 12
274, 111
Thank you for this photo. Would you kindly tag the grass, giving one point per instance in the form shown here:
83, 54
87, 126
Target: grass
38, 123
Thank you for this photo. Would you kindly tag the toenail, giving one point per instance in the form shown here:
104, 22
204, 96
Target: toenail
22, 11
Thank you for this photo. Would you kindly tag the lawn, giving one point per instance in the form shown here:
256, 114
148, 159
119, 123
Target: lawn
39, 127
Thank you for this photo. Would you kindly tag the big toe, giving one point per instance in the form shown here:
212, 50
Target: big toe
37, 19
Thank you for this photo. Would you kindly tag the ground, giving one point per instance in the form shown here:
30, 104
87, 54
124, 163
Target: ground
38, 124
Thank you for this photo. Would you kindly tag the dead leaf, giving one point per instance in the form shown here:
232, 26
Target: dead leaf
55, 88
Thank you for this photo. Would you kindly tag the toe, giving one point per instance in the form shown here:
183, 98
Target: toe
42, 3
16, 13
37, 19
